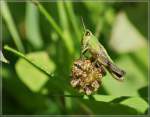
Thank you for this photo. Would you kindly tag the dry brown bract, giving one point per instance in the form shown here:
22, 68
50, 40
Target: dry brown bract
86, 76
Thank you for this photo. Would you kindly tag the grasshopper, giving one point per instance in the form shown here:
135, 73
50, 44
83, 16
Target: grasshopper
91, 44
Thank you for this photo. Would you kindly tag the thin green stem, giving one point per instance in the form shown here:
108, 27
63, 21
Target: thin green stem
55, 81
69, 96
53, 23
25, 58
73, 19
48, 17
64, 23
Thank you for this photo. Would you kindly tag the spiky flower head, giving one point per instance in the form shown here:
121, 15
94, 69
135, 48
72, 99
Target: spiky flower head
86, 76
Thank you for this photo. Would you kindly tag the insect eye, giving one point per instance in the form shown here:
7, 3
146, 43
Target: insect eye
87, 33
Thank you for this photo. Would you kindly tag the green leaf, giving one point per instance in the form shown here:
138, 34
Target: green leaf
42, 69
93, 107
125, 37
139, 104
143, 92
32, 77
103, 98
32, 26
28, 60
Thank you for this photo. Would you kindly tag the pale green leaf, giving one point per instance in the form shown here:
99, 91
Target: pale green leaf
33, 78
125, 37
138, 103
64, 24
32, 26
103, 98
93, 107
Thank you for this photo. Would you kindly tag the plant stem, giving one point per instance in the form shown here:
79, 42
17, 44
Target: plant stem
73, 20
65, 25
48, 17
52, 22
25, 58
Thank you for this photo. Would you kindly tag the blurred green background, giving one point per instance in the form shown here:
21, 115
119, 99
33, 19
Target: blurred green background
49, 35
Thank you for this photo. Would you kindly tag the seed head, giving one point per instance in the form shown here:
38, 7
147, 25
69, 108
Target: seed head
86, 76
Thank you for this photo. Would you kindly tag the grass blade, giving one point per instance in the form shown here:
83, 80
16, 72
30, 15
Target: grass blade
53, 24
73, 20
64, 23
32, 26
56, 81
5, 12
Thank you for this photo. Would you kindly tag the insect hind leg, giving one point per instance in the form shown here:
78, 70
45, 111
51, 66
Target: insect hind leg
116, 72
97, 65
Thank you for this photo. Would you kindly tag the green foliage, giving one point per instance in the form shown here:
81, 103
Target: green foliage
32, 26
132, 39
31, 76
38, 81
5, 12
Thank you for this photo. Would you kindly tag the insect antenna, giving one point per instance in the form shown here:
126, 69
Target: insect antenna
83, 23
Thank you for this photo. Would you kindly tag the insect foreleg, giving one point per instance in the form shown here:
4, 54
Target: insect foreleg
83, 51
